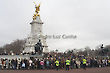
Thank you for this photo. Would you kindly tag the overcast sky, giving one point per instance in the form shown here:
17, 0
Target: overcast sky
88, 19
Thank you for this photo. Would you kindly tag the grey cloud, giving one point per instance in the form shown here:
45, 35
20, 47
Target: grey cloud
89, 19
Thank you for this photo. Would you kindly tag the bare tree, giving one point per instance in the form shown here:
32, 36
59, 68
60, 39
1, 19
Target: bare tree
16, 46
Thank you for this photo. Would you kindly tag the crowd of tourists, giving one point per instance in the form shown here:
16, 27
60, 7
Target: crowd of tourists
54, 62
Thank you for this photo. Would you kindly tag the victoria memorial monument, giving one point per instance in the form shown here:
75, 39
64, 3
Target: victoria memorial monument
36, 35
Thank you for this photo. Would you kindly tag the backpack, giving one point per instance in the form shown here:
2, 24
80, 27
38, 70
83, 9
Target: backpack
47, 62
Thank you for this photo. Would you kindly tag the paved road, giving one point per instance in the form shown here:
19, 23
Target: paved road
89, 70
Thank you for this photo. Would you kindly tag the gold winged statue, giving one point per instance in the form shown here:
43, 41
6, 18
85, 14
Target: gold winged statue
36, 11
